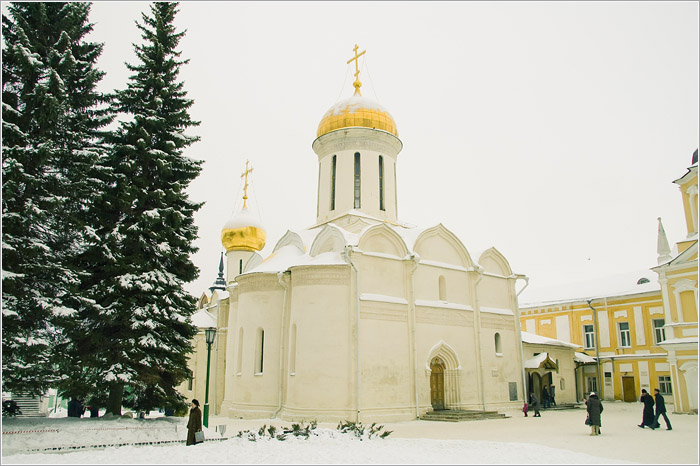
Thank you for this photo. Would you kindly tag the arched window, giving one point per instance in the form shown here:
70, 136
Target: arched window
334, 166
381, 183
357, 180
239, 362
442, 289
293, 351
497, 343
259, 351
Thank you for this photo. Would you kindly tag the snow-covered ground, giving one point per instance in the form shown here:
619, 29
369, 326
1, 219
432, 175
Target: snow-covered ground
558, 437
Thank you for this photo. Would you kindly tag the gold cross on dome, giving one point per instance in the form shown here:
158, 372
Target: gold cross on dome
357, 82
245, 186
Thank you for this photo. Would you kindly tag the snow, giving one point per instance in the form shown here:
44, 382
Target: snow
558, 437
604, 286
536, 362
244, 218
533, 338
203, 319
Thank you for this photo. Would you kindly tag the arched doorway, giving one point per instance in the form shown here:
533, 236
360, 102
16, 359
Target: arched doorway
437, 384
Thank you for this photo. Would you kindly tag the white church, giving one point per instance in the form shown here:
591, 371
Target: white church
360, 317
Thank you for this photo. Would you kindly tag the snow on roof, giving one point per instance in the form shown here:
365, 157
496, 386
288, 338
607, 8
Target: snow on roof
203, 319
244, 218
537, 361
533, 338
615, 285
581, 357
289, 256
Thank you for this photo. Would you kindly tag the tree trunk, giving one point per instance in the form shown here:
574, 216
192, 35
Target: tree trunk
114, 402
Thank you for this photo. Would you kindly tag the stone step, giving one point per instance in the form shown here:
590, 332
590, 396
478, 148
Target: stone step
461, 415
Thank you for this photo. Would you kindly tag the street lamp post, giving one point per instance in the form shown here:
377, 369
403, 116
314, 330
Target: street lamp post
209, 335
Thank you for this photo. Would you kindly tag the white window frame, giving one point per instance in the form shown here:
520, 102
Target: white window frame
624, 335
586, 334
664, 383
658, 331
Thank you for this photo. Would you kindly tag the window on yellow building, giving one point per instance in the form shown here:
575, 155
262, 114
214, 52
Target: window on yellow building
624, 332
665, 384
189, 383
497, 342
588, 337
659, 333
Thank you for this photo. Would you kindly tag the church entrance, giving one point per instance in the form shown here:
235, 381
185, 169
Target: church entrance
437, 384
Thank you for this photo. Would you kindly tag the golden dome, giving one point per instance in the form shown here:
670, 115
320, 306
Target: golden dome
243, 233
357, 111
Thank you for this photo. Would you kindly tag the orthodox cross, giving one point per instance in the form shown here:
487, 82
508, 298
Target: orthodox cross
357, 82
245, 186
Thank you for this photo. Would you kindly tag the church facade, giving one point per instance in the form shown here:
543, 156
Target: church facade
360, 317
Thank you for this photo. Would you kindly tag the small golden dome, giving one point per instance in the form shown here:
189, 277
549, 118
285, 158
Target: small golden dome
357, 111
243, 233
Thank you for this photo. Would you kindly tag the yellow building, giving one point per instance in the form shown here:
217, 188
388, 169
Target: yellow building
632, 322
678, 277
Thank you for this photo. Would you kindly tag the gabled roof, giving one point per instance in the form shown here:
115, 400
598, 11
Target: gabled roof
541, 361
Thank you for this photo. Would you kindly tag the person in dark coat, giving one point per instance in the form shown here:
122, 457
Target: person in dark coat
194, 423
551, 395
660, 410
594, 407
648, 413
75, 408
535, 405
545, 397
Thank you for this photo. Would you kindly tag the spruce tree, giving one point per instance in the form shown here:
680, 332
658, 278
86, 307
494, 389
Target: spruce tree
52, 153
143, 333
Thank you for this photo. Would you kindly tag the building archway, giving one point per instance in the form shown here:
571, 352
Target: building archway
444, 356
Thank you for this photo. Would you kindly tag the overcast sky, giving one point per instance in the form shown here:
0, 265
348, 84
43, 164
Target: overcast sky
552, 131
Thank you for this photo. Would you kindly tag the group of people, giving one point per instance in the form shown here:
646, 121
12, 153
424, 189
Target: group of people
594, 408
649, 418
548, 392
76, 408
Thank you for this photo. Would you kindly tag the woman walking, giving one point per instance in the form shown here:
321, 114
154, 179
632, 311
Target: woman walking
594, 407
194, 424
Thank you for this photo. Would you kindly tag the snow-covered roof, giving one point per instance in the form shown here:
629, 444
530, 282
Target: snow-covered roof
582, 357
615, 285
203, 319
290, 256
541, 360
533, 338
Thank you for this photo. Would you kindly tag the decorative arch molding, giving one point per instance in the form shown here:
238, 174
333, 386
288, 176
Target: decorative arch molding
254, 260
495, 262
388, 240
330, 239
452, 373
445, 352
439, 231
203, 301
290, 239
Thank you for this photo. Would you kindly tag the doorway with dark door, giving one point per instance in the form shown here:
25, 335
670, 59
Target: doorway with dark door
437, 384
629, 392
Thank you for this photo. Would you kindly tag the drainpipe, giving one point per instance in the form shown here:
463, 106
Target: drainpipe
597, 344
520, 338
414, 258
283, 327
477, 309
346, 255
